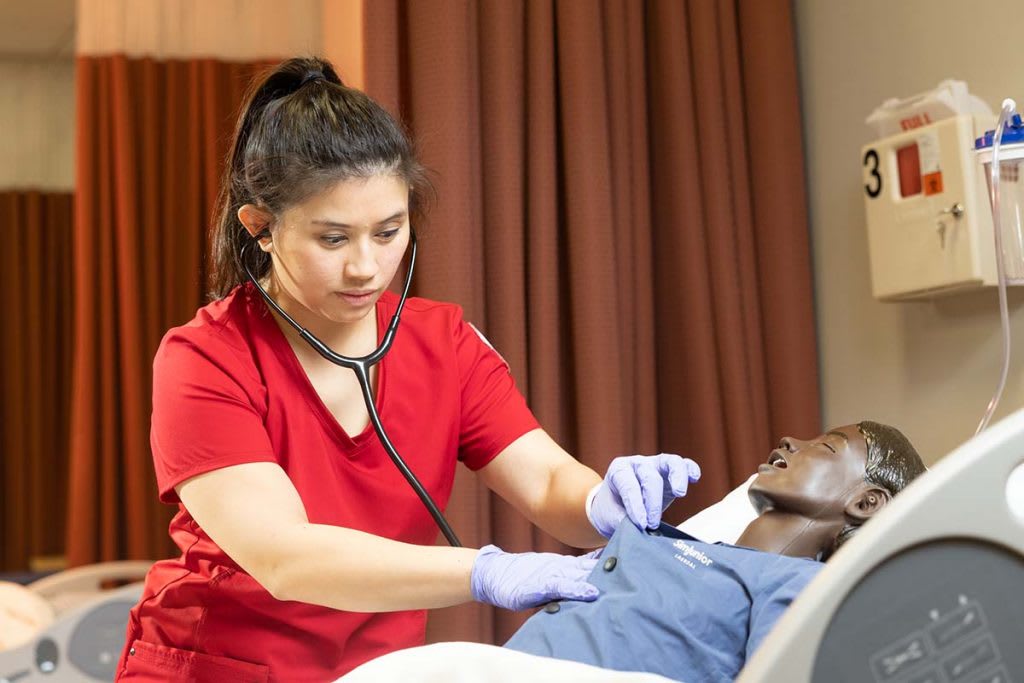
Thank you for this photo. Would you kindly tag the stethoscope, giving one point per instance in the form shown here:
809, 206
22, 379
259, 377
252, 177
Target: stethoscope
361, 366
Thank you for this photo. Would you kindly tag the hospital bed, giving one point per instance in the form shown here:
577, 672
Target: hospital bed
79, 623
931, 591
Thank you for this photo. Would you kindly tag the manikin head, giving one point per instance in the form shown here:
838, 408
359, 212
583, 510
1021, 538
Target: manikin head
811, 496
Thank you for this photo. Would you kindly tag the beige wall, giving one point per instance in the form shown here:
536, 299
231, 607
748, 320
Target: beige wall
37, 122
928, 367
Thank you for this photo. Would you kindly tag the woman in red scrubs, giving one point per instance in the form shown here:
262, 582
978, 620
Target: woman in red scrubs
303, 550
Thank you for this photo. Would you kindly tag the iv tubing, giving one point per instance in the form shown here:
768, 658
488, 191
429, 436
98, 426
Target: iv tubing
1009, 108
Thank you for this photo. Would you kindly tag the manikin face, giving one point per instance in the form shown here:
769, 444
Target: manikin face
336, 252
813, 479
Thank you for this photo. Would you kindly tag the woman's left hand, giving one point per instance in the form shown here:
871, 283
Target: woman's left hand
639, 487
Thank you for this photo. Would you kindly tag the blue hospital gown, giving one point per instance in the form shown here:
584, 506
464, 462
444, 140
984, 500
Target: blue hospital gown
670, 605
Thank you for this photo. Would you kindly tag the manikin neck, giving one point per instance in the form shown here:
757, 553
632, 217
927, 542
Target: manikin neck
791, 534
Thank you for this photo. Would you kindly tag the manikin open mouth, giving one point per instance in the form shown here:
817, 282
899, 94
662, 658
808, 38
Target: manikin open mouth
778, 459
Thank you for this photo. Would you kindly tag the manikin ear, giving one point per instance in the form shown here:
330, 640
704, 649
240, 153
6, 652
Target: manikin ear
257, 222
866, 503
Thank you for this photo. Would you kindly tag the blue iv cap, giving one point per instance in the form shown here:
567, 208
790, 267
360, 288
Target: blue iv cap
1014, 133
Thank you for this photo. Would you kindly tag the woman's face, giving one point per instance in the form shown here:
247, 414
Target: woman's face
336, 252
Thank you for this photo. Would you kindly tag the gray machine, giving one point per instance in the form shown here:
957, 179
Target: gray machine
85, 641
931, 591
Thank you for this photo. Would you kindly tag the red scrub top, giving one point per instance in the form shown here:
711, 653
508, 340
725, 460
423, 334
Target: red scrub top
228, 389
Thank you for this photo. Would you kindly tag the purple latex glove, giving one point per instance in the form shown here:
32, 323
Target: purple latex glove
639, 487
518, 581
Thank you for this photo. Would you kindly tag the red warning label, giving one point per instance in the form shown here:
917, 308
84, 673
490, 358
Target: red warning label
932, 183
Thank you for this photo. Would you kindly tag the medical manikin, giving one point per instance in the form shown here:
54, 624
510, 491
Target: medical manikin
673, 605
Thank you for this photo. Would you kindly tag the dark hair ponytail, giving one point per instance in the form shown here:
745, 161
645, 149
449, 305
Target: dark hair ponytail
300, 131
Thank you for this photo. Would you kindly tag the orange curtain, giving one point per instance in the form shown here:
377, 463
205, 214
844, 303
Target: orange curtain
151, 137
622, 210
34, 396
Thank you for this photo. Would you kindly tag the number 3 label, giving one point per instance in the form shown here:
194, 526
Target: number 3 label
871, 163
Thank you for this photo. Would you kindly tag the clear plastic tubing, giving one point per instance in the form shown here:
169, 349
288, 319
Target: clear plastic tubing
1008, 110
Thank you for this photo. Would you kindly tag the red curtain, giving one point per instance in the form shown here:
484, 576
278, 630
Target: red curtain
622, 210
35, 281
151, 138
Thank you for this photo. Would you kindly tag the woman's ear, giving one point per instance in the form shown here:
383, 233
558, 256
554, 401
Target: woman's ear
257, 222
866, 503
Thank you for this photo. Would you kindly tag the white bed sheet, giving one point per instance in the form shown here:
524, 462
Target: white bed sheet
477, 663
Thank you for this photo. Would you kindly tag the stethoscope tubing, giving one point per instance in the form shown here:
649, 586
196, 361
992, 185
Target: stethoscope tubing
361, 366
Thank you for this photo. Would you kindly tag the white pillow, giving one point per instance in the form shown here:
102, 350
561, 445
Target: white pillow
725, 520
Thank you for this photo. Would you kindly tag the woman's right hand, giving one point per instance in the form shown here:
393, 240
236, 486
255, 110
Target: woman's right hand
516, 581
